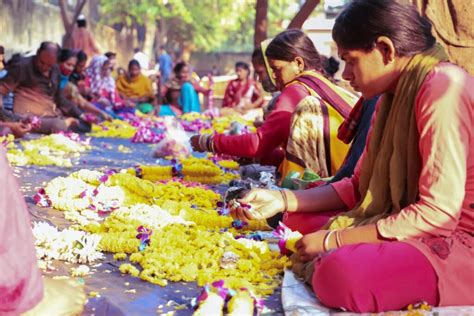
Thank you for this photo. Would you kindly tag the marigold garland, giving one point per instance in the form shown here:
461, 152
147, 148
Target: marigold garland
179, 252
200, 170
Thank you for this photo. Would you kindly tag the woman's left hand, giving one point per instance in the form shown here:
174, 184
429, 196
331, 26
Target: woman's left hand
310, 245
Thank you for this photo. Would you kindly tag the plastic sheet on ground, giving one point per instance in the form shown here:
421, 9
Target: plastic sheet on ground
119, 294
298, 299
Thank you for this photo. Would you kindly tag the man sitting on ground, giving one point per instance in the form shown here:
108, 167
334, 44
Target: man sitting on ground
35, 82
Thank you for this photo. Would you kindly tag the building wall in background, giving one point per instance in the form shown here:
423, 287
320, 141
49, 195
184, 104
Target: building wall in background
25, 24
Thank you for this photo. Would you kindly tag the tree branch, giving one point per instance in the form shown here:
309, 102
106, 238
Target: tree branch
302, 15
261, 22
63, 9
79, 6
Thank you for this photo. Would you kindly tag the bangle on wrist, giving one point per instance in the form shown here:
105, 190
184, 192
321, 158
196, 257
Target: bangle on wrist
326, 240
285, 200
339, 242
202, 142
209, 143
212, 145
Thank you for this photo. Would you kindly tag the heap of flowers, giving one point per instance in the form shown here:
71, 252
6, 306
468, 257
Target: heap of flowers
115, 129
87, 196
187, 252
138, 128
223, 124
68, 245
55, 149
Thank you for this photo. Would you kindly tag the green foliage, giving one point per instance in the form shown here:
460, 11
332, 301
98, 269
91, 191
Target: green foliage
211, 25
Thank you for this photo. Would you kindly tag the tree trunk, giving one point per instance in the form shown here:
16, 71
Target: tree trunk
69, 24
261, 22
303, 14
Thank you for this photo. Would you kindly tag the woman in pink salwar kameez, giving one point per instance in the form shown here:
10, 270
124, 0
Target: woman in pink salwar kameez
21, 283
21, 286
404, 229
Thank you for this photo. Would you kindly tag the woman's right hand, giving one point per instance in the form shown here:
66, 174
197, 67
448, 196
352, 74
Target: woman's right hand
265, 204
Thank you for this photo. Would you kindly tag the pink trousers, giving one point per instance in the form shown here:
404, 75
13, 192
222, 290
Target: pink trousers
369, 278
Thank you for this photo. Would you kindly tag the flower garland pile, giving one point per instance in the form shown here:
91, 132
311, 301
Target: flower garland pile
88, 195
200, 170
223, 124
181, 252
115, 129
67, 245
54, 149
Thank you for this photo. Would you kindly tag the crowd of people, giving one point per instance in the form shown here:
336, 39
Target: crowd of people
69, 88
396, 206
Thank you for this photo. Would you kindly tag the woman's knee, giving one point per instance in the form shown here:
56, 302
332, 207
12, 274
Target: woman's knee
335, 279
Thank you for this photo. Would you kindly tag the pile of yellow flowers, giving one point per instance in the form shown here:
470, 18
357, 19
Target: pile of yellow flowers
183, 252
74, 192
7, 141
223, 123
229, 164
200, 170
115, 128
192, 116
54, 149
84, 193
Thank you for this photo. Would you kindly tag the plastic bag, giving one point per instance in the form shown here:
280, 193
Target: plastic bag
176, 141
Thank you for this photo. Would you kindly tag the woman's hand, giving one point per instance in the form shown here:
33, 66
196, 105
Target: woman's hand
198, 142
19, 129
265, 204
106, 116
195, 143
310, 245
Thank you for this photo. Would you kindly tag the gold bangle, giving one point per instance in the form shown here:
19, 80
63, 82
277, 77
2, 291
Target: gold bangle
202, 142
285, 200
213, 144
326, 240
339, 243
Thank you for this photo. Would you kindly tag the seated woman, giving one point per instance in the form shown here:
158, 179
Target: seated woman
78, 76
102, 87
67, 62
407, 212
307, 97
242, 94
188, 99
136, 88
173, 93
